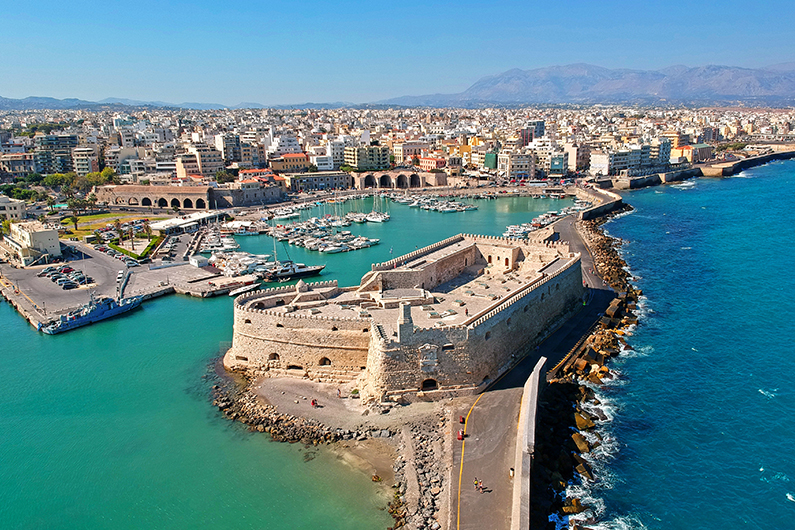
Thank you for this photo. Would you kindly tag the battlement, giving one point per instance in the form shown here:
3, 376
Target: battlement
391, 264
265, 293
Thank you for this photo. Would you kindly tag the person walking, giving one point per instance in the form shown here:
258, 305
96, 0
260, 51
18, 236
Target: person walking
480, 486
476, 483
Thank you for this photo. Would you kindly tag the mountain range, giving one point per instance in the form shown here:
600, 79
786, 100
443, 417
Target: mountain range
572, 84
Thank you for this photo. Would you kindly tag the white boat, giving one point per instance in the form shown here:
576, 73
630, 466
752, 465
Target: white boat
244, 289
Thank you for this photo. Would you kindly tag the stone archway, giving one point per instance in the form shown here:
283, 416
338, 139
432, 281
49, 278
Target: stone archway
402, 181
187, 204
119, 200
162, 203
133, 201
369, 181
325, 361
273, 357
429, 384
175, 203
385, 181
200, 204
414, 181
146, 201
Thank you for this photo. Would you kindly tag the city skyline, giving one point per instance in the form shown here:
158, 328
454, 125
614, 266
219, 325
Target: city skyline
277, 54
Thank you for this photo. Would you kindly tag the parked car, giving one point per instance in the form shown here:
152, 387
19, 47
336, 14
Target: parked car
69, 285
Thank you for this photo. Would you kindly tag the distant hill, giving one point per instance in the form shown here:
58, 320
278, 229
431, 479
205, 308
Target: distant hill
32, 103
573, 83
585, 83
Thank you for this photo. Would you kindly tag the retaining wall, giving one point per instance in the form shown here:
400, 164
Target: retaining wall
525, 446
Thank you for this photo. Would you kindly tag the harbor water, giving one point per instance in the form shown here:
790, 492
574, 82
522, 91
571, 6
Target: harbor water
701, 435
112, 425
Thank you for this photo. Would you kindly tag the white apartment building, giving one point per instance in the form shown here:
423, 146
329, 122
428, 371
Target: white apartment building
516, 165
283, 145
322, 162
13, 209
85, 160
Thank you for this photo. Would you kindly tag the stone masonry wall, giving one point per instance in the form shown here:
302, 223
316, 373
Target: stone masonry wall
466, 357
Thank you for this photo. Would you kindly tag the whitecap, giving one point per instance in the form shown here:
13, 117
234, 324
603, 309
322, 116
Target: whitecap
685, 248
627, 522
770, 394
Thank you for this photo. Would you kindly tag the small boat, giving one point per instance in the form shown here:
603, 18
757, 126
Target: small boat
244, 289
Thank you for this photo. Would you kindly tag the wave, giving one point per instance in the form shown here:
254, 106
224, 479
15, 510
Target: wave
769, 393
627, 522
686, 185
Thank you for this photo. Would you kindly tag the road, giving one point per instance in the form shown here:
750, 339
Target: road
491, 428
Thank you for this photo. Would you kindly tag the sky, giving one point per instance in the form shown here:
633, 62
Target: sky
276, 52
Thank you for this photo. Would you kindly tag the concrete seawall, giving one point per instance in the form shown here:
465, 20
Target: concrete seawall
732, 168
525, 445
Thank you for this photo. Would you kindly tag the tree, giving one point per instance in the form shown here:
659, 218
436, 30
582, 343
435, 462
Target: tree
131, 233
7, 226
73, 219
312, 168
117, 227
50, 202
92, 200
222, 176
415, 161
148, 230
176, 209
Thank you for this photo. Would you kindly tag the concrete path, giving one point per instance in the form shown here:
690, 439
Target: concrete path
489, 447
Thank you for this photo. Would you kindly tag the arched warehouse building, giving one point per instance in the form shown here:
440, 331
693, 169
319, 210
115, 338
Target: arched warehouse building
182, 197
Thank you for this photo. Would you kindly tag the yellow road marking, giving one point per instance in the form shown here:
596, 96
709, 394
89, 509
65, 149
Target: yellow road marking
461, 468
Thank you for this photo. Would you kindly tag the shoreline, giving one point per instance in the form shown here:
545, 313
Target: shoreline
402, 449
570, 413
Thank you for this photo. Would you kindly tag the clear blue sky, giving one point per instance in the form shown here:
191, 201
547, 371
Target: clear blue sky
274, 52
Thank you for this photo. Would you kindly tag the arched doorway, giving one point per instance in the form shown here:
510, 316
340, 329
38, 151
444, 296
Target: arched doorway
119, 200
325, 361
146, 201
133, 201
430, 384
414, 181
187, 203
273, 357
402, 181
200, 204
369, 181
175, 203
384, 181
162, 203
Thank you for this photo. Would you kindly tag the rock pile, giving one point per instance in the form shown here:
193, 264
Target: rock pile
419, 477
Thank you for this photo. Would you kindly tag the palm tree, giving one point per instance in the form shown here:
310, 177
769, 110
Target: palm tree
131, 232
117, 227
73, 219
50, 202
92, 200
148, 230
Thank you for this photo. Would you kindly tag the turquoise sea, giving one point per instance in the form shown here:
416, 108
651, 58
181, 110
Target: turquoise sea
111, 426
701, 435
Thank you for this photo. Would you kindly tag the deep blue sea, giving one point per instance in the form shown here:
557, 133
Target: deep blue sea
702, 412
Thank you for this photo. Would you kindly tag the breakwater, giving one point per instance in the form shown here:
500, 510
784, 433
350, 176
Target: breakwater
569, 412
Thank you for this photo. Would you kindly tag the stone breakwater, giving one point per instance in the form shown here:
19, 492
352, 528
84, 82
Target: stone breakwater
569, 411
243, 406
422, 484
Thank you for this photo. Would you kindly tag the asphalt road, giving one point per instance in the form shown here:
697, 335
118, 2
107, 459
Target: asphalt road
489, 447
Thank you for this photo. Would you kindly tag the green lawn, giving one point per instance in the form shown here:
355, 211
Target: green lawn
86, 224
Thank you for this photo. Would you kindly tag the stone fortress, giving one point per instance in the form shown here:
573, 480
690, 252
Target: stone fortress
442, 320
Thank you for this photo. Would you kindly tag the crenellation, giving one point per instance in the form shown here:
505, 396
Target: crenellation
411, 334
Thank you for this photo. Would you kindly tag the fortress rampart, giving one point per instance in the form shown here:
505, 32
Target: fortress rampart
448, 318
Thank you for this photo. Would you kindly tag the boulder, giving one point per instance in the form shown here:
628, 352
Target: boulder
581, 443
582, 421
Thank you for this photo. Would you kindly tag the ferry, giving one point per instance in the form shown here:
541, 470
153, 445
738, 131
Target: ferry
95, 310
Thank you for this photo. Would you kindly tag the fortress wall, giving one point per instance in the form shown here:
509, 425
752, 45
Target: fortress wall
265, 339
391, 264
468, 357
